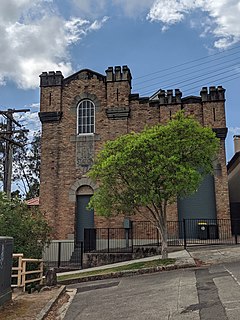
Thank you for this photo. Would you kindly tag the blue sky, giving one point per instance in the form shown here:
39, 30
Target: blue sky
150, 36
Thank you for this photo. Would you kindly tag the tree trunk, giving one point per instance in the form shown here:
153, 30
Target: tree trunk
162, 226
162, 233
164, 242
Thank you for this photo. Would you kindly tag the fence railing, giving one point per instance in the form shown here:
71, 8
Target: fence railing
180, 233
210, 231
108, 240
17, 270
23, 272
146, 234
63, 253
188, 232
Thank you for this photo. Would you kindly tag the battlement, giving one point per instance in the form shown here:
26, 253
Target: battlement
118, 74
167, 97
213, 94
51, 78
206, 95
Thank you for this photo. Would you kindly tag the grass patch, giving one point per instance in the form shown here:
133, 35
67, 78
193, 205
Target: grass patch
128, 267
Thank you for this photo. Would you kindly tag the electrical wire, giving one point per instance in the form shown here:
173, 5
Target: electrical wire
203, 83
187, 62
197, 87
190, 68
169, 84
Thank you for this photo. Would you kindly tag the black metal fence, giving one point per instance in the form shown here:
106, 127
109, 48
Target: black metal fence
108, 240
146, 234
6, 250
63, 254
184, 233
210, 231
189, 232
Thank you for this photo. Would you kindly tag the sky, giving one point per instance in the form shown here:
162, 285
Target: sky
167, 44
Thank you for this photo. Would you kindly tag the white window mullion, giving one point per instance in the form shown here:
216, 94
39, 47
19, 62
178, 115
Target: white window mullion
86, 118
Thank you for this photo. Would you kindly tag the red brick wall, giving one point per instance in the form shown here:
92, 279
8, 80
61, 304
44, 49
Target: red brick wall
61, 176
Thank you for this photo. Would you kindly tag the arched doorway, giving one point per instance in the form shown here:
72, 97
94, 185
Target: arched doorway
84, 216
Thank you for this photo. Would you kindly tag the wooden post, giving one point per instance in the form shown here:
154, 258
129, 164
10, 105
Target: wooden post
41, 272
19, 277
24, 275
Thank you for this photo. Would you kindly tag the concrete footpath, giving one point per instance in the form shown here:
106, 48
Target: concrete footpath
215, 254
183, 259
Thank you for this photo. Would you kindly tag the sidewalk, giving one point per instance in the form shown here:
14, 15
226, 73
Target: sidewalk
215, 254
182, 258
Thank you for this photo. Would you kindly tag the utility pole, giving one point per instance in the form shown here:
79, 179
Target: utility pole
8, 158
7, 135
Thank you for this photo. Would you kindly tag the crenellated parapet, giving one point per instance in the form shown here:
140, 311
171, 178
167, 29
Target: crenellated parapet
167, 96
213, 94
118, 74
51, 78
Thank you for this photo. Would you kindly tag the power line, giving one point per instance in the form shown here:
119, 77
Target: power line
177, 84
187, 62
169, 84
190, 90
203, 83
191, 67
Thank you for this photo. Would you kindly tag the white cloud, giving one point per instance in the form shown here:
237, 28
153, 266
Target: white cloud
96, 25
30, 120
97, 8
91, 8
134, 7
224, 16
35, 39
169, 11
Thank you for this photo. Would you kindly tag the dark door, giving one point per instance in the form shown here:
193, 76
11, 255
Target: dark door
85, 217
200, 205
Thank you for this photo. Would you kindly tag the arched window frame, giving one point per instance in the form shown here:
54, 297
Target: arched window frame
86, 117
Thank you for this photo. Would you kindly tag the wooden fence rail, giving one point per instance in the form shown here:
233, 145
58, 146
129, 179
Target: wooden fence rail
20, 272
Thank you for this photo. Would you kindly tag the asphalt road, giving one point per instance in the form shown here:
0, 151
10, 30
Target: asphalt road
206, 293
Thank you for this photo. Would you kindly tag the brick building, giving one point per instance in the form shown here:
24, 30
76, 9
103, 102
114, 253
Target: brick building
80, 112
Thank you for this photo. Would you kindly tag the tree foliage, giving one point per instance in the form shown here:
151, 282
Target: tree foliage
26, 168
26, 163
152, 168
28, 228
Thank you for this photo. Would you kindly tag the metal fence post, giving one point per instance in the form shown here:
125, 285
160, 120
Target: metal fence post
184, 234
81, 257
132, 236
158, 237
235, 231
59, 253
108, 240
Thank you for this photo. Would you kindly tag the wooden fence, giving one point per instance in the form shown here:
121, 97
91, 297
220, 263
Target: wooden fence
21, 271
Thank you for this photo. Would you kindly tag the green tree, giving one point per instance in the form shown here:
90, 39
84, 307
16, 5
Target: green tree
26, 163
28, 228
144, 172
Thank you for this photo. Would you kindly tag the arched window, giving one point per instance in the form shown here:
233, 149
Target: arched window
86, 117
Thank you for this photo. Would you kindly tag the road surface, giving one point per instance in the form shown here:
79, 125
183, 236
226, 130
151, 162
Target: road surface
210, 293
